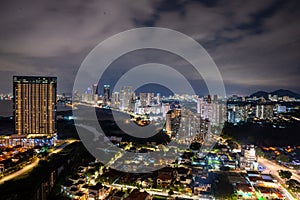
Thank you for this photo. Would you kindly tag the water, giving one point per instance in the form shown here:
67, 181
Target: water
6, 108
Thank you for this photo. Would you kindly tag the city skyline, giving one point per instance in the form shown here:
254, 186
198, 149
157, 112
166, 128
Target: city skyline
161, 90
253, 46
149, 99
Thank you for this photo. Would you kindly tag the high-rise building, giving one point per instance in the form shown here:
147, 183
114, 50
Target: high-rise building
95, 93
168, 121
131, 107
231, 115
241, 113
150, 97
106, 93
247, 158
165, 108
88, 96
76, 96
202, 128
115, 100
158, 98
215, 99
173, 120
95, 89
125, 95
35, 106
204, 108
264, 111
143, 99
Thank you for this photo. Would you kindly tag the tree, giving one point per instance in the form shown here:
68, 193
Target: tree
223, 188
171, 192
259, 152
195, 146
285, 174
232, 144
90, 172
282, 158
294, 185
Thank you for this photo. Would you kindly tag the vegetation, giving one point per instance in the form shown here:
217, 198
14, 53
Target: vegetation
171, 192
263, 135
285, 174
22, 159
223, 188
78, 156
282, 158
195, 146
25, 186
232, 144
259, 152
293, 185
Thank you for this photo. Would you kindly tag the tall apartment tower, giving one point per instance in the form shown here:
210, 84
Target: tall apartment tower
35, 106
125, 95
106, 93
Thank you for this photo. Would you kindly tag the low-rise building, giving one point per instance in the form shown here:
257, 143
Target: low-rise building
136, 194
98, 191
120, 195
247, 158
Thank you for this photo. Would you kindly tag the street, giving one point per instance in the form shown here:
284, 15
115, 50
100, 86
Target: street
21, 171
273, 168
34, 164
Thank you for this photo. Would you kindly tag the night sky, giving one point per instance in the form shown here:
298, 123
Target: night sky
255, 44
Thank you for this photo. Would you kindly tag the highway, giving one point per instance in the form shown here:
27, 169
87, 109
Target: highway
34, 164
61, 147
273, 168
21, 171
162, 193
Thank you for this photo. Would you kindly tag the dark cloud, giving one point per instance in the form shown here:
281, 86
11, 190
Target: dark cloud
255, 44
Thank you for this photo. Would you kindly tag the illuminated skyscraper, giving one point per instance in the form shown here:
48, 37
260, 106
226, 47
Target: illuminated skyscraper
35, 106
264, 112
143, 99
247, 159
168, 121
204, 108
95, 93
115, 100
95, 89
125, 95
106, 93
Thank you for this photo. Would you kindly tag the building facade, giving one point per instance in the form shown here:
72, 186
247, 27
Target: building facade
35, 106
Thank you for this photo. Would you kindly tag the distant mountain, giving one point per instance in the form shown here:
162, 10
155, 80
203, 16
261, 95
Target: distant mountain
260, 94
289, 93
279, 93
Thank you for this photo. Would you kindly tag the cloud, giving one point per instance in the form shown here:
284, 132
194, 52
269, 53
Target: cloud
251, 42
255, 44
53, 37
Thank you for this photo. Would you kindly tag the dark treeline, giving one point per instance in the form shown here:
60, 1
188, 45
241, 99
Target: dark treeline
264, 135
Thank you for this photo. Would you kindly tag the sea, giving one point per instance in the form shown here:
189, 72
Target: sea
6, 108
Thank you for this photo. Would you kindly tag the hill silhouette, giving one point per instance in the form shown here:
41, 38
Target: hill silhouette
279, 93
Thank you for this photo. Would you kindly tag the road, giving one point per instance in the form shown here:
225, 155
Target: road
273, 169
34, 164
161, 193
21, 171
61, 147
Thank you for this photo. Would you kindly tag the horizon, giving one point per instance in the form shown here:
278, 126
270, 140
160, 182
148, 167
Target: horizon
253, 47
199, 95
